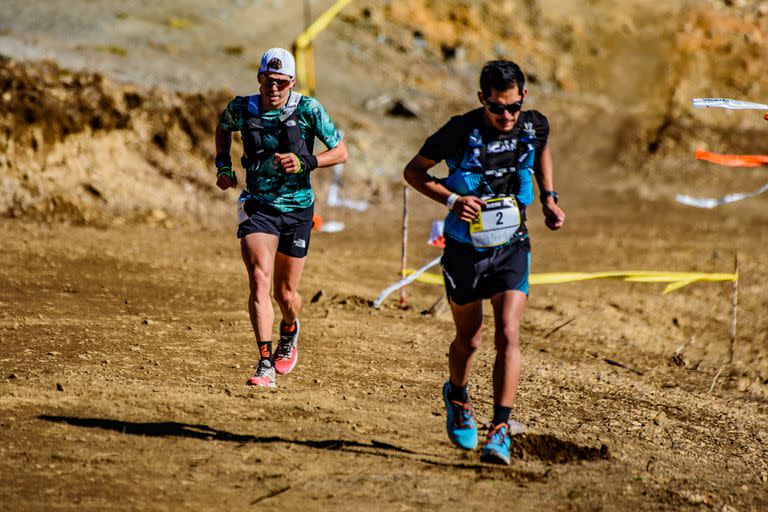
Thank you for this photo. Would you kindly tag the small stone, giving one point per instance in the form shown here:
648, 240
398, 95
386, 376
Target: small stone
53, 353
404, 108
59, 387
13, 376
147, 321
660, 419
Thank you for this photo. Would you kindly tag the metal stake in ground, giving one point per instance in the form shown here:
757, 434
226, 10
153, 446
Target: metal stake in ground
734, 311
403, 260
734, 308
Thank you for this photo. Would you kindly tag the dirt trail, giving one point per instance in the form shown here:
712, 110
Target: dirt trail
125, 352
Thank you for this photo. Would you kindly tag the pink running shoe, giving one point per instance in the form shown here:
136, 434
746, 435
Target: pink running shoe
287, 353
264, 376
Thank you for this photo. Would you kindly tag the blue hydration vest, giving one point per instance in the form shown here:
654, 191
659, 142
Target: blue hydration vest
500, 167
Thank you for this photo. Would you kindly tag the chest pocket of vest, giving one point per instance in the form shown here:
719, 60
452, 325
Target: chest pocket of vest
252, 138
291, 139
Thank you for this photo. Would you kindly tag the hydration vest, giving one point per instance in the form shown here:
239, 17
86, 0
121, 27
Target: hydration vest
289, 135
502, 167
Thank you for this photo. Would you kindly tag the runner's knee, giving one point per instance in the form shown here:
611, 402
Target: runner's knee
507, 338
259, 282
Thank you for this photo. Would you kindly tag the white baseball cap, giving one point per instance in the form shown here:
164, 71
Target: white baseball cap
278, 60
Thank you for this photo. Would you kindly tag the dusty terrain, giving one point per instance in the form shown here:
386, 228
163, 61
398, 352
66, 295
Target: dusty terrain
125, 343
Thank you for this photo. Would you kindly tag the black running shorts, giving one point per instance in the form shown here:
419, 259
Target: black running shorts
472, 275
292, 228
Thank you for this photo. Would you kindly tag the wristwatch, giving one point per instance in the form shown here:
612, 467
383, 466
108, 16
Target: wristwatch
548, 193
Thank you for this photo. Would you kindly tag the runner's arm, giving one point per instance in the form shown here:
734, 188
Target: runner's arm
337, 155
223, 147
415, 173
554, 217
291, 163
223, 141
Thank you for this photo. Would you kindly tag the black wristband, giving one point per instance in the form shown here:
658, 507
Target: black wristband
546, 194
308, 162
223, 160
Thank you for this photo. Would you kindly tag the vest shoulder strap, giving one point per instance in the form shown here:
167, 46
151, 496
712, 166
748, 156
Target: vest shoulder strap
290, 106
252, 106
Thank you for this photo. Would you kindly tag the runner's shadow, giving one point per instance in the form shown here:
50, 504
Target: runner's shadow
176, 429
544, 447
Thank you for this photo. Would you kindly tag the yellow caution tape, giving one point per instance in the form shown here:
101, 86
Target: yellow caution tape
302, 49
676, 279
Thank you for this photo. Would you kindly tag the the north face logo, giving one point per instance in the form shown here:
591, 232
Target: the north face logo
275, 64
300, 243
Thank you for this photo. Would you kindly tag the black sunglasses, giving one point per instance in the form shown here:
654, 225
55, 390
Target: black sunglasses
498, 108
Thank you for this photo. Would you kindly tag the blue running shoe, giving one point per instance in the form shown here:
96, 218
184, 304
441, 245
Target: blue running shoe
461, 426
496, 449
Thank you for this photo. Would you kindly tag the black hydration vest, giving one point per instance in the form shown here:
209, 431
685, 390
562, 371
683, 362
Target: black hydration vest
289, 135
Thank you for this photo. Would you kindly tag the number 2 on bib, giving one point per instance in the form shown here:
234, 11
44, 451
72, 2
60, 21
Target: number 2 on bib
496, 224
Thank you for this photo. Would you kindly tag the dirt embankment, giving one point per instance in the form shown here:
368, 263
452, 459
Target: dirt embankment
81, 147
616, 81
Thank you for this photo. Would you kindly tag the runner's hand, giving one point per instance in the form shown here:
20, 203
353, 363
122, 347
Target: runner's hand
225, 181
289, 162
554, 217
467, 207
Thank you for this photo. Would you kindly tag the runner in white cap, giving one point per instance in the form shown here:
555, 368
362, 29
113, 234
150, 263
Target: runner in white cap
278, 127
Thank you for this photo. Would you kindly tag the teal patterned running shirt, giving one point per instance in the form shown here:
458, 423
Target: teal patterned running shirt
265, 181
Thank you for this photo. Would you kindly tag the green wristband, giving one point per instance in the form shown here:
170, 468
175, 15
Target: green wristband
301, 164
225, 171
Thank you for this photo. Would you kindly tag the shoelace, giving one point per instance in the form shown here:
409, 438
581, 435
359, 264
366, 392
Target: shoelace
463, 413
498, 434
284, 348
263, 369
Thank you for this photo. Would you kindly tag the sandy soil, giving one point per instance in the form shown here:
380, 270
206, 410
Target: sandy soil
124, 346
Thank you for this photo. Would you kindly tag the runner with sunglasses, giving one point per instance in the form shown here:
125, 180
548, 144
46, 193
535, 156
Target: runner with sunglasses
492, 154
278, 128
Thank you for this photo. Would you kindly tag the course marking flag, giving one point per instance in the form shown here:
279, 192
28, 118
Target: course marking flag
732, 160
727, 103
708, 203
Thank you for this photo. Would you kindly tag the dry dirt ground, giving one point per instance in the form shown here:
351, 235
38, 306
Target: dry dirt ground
125, 350
124, 346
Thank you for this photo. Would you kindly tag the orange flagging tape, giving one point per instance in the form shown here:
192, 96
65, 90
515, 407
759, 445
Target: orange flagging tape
732, 160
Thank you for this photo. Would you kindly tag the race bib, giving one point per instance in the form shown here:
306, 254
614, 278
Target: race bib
496, 223
241, 215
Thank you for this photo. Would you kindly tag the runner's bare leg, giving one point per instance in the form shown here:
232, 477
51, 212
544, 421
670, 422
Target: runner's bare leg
469, 326
258, 251
508, 308
287, 276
